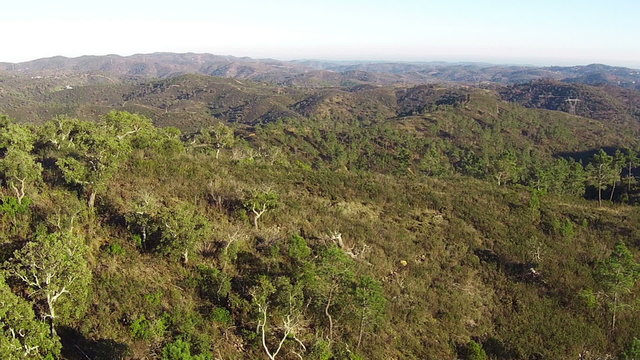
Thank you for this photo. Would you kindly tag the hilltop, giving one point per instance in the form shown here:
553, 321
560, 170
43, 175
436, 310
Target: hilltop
309, 73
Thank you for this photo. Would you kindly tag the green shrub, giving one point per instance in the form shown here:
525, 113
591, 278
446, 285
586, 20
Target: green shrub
474, 351
114, 249
180, 350
221, 315
632, 352
298, 248
321, 350
144, 329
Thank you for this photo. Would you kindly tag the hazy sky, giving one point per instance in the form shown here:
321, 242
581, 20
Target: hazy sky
503, 31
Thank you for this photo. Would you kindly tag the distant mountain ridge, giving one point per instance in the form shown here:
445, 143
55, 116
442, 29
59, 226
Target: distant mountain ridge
313, 73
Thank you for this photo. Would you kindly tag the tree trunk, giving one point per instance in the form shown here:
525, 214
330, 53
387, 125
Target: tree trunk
92, 199
629, 174
599, 195
326, 312
361, 331
19, 191
255, 221
600, 185
257, 215
613, 188
51, 315
613, 312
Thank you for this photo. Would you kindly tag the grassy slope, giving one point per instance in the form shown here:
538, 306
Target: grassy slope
468, 245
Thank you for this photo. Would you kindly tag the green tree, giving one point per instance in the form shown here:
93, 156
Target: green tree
370, 303
259, 202
20, 170
616, 168
218, 137
278, 300
631, 161
505, 168
92, 159
331, 283
181, 227
22, 336
54, 268
617, 275
16, 136
601, 170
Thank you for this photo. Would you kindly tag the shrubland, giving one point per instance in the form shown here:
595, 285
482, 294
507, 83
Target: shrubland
459, 232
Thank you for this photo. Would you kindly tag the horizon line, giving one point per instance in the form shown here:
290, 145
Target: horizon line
523, 63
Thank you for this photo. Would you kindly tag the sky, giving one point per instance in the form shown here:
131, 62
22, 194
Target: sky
541, 32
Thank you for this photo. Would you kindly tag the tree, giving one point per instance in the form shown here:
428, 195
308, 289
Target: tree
22, 336
15, 136
218, 136
60, 133
259, 202
616, 168
505, 168
95, 154
600, 172
17, 165
142, 219
333, 280
124, 125
282, 300
631, 161
617, 275
20, 170
370, 304
181, 227
54, 268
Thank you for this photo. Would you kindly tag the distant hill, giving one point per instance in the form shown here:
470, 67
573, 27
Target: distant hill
604, 102
309, 73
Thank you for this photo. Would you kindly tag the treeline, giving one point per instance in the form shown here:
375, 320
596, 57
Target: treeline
385, 149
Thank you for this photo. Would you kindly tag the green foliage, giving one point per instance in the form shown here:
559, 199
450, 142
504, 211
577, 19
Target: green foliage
55, 270
474, 351
12, 207
213, 283
180, 350
401, 257
20, 171
145, 329
218, 137
259, 202
114, 249
221, 316
616, 276
321, 350
632, 351
22, 335
180, 228
298, 248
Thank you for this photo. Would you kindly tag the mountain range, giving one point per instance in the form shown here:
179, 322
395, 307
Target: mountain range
312, 73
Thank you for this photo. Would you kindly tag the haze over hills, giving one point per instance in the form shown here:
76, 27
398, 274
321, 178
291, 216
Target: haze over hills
317, 73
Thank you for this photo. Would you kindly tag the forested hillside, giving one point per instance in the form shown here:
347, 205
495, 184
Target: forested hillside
457, 226
317, 211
